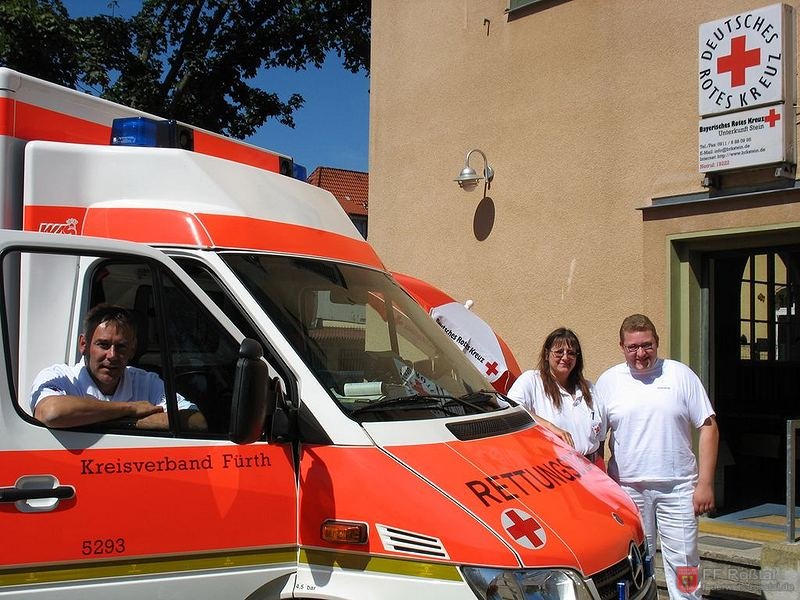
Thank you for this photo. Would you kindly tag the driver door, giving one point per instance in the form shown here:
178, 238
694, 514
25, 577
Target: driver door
96, 508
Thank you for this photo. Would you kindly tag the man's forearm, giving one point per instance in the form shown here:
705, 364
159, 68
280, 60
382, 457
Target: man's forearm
708, 447
74, 411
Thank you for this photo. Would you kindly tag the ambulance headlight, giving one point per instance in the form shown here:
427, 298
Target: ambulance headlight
526, 584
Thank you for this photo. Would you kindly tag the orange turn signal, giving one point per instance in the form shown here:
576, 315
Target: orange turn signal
344, 532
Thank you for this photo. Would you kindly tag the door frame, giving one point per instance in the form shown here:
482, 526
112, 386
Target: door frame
689, 294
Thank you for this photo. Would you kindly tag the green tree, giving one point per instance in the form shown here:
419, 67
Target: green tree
191, 60
37, 37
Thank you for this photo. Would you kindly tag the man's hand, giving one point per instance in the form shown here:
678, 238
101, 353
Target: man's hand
703, 498
142, 408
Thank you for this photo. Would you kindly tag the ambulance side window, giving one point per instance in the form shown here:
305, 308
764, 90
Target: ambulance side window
46, 295
211, 286
177, 339
227, 303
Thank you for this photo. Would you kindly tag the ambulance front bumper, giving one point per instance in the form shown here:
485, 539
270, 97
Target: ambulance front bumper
552, 584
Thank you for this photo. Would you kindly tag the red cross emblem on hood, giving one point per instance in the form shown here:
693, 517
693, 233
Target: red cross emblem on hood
523, 528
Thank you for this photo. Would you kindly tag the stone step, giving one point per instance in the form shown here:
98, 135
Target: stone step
728, 566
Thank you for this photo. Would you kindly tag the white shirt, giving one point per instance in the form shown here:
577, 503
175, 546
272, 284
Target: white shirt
135, 384
651, 415
574, 416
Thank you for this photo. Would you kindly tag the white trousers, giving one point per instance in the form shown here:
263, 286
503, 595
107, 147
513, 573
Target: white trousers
667, 510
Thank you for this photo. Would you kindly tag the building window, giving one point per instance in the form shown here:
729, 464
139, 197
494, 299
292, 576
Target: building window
770, 295
517, 4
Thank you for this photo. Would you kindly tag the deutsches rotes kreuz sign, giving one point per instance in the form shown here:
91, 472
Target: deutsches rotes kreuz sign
746, 64
742, 60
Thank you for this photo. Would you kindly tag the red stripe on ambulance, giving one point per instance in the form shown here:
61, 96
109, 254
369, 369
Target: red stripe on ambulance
213, 145
29, 122
174, 227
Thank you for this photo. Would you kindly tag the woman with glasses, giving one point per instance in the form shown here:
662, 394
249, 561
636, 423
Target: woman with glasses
560, 396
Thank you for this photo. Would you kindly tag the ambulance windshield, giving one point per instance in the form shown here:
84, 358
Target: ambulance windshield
375, 350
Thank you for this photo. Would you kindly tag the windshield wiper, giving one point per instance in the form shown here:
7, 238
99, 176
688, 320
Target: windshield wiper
413, 401
489, 397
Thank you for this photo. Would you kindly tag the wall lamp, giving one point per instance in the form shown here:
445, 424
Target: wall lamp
468, 179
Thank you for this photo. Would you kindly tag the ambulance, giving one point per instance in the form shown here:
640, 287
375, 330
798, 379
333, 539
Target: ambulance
352, 451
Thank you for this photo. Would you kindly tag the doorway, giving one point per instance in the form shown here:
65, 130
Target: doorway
755, 367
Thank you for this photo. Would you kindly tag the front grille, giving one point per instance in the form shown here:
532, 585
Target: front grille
487, 427
606, 580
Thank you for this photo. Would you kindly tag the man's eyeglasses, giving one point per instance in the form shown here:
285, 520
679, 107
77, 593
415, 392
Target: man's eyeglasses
634, 348
560, 353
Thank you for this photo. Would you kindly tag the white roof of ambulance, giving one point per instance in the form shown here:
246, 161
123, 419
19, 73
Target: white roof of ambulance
173, 197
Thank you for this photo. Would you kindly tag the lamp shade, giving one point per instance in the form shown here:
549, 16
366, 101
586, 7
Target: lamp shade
467, 176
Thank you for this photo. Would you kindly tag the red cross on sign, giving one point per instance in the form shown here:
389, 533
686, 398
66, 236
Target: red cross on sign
737, 62
491, 368
523, 528
772, 117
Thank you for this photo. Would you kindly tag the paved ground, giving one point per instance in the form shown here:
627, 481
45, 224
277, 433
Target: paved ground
729, 565
731, 556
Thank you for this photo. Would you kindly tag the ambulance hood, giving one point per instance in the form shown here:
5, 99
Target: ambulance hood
545, 502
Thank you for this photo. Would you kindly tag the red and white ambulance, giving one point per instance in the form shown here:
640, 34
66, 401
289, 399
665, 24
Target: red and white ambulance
352, 450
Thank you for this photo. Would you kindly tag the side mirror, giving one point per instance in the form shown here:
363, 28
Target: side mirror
252, 395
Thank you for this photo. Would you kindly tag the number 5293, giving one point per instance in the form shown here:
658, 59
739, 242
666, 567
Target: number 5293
103, 546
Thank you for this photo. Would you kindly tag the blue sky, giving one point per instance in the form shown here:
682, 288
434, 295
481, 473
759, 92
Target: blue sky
331, 129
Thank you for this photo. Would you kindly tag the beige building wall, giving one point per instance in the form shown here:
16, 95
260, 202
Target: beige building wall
588, 111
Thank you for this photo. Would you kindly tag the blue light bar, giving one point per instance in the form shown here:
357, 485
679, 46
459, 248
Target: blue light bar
300, 172
151, 133
135, 131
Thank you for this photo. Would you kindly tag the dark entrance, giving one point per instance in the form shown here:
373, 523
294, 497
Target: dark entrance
756, 368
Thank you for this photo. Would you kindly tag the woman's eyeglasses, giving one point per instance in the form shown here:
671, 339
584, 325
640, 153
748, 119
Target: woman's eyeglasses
561, 352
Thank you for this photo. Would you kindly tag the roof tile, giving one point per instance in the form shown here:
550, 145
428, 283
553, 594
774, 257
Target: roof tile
351, 188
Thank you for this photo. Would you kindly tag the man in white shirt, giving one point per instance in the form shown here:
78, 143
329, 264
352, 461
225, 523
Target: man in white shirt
650, 406
102, 387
